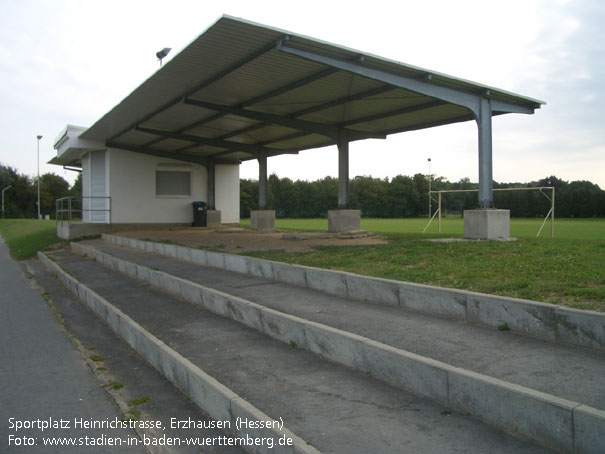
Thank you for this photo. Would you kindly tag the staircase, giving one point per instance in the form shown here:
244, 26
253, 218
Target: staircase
345, 363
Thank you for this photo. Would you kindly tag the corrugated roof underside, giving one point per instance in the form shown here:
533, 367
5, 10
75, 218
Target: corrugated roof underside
235, 63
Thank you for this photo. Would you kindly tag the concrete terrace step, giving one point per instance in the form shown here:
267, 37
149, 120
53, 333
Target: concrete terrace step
116, 362
558, 368
565, 371
335, 409
540, 320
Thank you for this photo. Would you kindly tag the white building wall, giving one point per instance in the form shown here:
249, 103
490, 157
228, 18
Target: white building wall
226, 192
133, 192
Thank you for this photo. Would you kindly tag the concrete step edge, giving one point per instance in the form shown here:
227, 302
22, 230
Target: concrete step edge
543, 417
540, 320
218, 401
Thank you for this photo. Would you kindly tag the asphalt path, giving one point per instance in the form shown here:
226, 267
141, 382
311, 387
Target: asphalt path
47, 390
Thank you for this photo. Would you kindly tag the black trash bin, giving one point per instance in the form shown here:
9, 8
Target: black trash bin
199, 214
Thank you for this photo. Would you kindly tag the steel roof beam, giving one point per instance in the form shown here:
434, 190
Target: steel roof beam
162, 154
278, 91
307, 110
219, 143
401, 111
295, 135
239, 132
447, 121
223, 153
275, 152
291, 86
278, 152
392, 113
479, 104
424, 87
331, 131
289, 122
343, 100
247, 148
247, 59
499, 107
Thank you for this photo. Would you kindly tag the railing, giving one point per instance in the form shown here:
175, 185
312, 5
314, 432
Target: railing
83, 209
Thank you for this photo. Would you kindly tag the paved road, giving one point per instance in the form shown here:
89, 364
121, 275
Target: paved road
43, 376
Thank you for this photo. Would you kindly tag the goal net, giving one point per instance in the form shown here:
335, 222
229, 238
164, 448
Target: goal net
439, 197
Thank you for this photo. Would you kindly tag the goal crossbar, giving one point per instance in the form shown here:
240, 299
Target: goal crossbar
542, 189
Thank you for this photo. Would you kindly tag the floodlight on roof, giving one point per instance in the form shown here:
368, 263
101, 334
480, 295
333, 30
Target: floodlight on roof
161, 54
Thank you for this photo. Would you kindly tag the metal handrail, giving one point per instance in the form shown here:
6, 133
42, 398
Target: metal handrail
66, 208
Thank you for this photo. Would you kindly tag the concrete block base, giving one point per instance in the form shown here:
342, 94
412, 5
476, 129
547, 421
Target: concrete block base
213, 218
344, 221
70, 231
262, 220
486, 224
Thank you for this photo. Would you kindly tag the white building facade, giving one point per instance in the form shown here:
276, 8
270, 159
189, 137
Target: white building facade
121, 187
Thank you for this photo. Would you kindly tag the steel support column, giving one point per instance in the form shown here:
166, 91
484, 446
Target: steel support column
211, 186
343, 172
262, 180
486, 182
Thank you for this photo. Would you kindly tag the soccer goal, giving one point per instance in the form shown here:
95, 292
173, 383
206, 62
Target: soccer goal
436, 196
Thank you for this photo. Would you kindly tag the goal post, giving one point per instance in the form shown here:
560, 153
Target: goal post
436, 196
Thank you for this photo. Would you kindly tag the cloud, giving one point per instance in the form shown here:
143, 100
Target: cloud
72, 61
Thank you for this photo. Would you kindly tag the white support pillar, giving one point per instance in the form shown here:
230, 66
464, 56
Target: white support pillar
343, 172
486, 223
213, 216
343, 219
262, 180
486, 182
211, 184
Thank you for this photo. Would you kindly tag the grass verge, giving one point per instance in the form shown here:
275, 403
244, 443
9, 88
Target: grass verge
25, 237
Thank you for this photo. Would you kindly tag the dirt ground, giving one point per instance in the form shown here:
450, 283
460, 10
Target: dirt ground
236, 240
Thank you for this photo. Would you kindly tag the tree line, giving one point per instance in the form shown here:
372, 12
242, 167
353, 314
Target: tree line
20, 200
398, 197
404, 196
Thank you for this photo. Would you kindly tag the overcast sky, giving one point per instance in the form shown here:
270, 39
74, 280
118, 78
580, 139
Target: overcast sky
72, 61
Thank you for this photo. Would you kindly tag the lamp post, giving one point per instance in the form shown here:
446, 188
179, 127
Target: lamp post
39, 137
430, 178
6, 188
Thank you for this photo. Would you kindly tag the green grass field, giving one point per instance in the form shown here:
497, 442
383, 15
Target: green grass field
567, 270
453, 227
25, 237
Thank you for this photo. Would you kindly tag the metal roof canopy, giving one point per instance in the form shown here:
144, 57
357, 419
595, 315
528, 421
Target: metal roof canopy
246, 91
